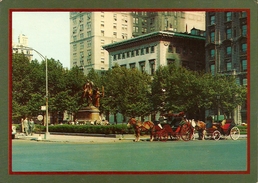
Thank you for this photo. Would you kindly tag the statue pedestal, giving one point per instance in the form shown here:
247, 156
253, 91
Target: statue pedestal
88, 114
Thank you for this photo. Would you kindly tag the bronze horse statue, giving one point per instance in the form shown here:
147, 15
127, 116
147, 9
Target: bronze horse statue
141, 126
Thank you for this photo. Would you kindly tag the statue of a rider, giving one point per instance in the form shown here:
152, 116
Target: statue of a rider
92, 94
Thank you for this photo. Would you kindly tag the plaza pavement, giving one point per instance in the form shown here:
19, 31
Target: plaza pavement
84, 138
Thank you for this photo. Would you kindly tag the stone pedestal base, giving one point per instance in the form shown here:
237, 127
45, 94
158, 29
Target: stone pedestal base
88, 114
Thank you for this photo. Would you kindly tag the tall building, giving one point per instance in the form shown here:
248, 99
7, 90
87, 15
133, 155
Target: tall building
22, 46
226, 48
89, 31
177, 21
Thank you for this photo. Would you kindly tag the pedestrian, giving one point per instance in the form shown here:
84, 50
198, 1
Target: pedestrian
22, 125
31, 126
26, 126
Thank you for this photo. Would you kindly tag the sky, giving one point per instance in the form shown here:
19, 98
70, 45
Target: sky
47, 32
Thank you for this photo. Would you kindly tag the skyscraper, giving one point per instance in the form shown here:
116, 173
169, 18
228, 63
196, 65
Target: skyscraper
89, 31
226, 48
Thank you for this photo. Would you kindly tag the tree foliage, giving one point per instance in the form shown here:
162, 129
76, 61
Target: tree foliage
175, 89
127, 91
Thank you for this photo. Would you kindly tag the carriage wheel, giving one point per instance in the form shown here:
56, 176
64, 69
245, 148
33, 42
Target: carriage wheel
163, 136
216, 135
234, 133
186, 133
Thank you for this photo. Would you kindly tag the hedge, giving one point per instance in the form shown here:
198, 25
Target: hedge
96, 129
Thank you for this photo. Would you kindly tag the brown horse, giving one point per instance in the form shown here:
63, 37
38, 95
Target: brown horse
141, 126
200, 127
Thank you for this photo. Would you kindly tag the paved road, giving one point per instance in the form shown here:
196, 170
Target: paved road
111, 154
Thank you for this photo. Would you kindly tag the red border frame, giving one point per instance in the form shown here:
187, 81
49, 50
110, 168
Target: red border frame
124, 172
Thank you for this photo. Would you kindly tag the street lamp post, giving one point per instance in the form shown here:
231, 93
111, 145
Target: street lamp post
218, 97
47, 134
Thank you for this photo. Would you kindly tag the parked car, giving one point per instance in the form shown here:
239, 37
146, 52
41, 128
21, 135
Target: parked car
13, 131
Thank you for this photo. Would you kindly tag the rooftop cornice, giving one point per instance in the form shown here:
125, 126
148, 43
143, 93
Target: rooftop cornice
166, 34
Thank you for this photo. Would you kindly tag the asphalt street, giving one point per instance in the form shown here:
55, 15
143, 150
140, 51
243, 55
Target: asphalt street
64, 153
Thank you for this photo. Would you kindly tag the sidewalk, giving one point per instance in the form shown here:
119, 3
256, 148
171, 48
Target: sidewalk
80, 138
87, 138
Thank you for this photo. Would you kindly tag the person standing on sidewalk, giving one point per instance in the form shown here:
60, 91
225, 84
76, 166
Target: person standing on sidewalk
26, 126
22, 125
31, 126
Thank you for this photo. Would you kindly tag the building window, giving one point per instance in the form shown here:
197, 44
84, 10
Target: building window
74, 30
135, 20
137, 52
81, 36
135, 29
212, 53
142, 66
132, 65
74, 38
82, 45
74, 47
147, 50
212, 37
115, 57
243, 30
88, 33
244, 65
74, 21
229, 33
88, 25
228, 16
170, 61
152, 49
228, 50
212, 69
114, 26
132, 53
229, 66
115, 17
102, 33
170, 49
244, 81
81, 19
152, 67
81, 54
142, 51
243, 47
123, 55
81, 27
128, 54
243, 14
114, 34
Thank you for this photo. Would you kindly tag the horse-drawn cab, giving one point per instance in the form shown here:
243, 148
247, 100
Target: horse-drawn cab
226, 127
175, 127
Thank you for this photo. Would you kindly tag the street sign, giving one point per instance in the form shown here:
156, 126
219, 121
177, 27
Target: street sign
43, 108
40, 117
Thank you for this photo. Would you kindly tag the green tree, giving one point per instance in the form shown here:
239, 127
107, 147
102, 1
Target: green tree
21, 86
126, 92
74, 79
175, 89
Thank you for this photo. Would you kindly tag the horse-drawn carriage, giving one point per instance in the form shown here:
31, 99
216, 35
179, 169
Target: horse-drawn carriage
225, 128
217, 130
179, 128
